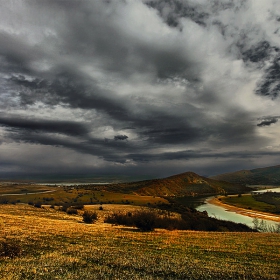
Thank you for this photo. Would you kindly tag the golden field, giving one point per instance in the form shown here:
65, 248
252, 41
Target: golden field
55, 245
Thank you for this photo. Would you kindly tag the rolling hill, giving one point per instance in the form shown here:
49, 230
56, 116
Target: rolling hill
260, 176
185, 184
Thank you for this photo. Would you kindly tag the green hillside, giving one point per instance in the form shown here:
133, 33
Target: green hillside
260, 176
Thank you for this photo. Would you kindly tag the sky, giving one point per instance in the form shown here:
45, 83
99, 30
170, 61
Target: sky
139, 87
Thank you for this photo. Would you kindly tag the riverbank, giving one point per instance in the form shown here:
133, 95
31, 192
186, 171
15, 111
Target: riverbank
243, 211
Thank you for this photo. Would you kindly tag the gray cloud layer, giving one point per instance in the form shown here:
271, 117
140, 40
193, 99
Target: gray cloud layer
182, 82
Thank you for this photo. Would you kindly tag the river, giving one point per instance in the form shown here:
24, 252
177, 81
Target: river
224, 214
268, 190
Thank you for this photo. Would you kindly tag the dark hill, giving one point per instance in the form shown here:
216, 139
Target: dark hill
185, 184
260, 176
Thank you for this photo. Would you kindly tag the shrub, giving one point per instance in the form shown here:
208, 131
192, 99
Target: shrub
146, 220
89, 217
78, 206
65, 206
120, 219
10, 248
71, 211
38, 205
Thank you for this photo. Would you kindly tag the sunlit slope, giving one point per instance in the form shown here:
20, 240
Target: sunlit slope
260, 176
185, 184
55, 245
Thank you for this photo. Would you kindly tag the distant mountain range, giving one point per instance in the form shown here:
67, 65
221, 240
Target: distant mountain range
185, 184
260, 176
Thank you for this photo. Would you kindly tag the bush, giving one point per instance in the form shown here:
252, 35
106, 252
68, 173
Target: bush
120, 219
89, 217
38, 205
78, 206
148, 220
10, 248
145, 220
71, 211
64, 207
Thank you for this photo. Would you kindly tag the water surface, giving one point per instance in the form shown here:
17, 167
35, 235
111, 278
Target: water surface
221, 213
268, 190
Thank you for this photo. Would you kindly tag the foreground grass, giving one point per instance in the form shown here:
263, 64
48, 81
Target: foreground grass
59, 246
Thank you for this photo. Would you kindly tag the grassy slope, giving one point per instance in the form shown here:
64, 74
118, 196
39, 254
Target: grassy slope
248, 202
259, 176
59, 246
183, 184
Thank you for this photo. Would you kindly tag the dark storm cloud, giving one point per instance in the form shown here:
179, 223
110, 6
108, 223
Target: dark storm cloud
173, 135
15, 52
156, 125
64, 127
258, 53
176, 78
172, 11
265, 56
268, 121
67, 88
192, 155
120, 137
269, 85
94, 146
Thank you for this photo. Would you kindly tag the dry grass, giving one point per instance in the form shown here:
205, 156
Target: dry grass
59, 246
60, 195
9, 188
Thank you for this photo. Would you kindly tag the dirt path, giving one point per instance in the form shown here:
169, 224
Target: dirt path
245, 212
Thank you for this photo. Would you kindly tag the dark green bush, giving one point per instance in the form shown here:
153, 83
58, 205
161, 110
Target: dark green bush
146, 220
90, 217
120, 219
64, 207
38, 205
71, 211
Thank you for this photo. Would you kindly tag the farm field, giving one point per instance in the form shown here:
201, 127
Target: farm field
55, 245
